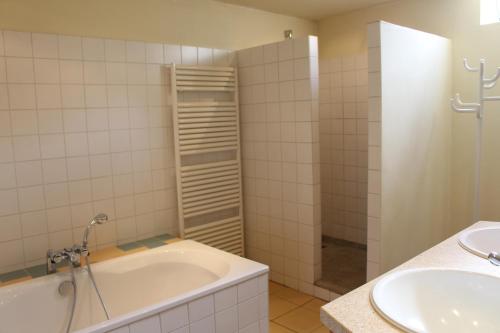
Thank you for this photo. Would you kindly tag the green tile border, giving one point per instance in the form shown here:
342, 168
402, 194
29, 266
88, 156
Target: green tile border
9, 276
41, 270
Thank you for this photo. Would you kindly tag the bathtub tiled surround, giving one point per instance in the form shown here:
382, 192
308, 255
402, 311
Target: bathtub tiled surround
280, 153
343, 113
85, 127
242, 308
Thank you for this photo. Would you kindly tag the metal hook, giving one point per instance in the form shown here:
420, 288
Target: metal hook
494, 78
470, 68
459, 106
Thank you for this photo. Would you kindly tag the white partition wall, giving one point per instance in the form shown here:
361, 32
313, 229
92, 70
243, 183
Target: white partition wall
409, 143
280, 157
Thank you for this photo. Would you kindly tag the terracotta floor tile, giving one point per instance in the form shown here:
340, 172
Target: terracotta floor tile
300, 320
293, 296
275, 287
275, 328
321, 329
314, 304
278, 306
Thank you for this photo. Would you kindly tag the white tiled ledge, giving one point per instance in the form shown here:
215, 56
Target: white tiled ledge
354, 313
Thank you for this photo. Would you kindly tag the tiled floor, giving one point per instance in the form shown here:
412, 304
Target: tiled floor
343, 265
292, 311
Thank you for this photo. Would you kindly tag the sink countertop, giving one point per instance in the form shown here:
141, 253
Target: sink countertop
353, 312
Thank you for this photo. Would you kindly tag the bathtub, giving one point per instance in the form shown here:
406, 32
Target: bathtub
181, 287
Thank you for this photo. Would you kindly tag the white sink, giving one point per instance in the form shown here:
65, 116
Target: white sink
481, 242
439, 300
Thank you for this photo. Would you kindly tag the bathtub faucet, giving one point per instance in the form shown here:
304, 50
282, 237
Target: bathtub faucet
75, 253
72, 255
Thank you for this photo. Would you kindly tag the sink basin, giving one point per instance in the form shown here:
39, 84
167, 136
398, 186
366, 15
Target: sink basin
481, 242
439, 300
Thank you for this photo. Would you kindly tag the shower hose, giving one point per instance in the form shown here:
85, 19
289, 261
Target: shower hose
73, 304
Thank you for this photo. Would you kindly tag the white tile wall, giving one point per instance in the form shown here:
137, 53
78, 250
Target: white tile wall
85, 127
245, 309
280, 153
374, 151
344, 146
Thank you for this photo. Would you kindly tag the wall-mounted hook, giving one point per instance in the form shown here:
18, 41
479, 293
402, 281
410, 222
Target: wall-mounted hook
493, 79
459, 106
468, 67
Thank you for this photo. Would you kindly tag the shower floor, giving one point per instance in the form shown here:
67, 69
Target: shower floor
343, 265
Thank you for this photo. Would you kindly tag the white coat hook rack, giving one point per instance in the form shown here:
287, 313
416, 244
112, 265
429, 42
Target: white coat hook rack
484, 83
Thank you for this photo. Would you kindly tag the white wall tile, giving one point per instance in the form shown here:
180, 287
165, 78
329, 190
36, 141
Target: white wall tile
172, 54
189, 55
8, 202
34, 223
71, 71
94, 72
70, 47
115, 50
205, 56
148, 325
29, 173
76, 144
17, 44
154, 53
226, 298
10, 228
174, 319
31, 198
26, 148
46, 70
21, 96
227, 321
2, 49
7, 176
206, 325
93, 49
248, 312
45, 46
136, 52
73, 96
248, 289
201, 308
48, 96
52, 146
20, 70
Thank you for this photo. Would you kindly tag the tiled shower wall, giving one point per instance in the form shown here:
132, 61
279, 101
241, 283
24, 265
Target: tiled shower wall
85, 128
343, 112
280, 145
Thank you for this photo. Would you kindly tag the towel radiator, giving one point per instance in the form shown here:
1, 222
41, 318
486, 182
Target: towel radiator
205, 113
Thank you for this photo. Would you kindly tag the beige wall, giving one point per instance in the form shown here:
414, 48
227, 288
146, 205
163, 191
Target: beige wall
191, 22
459, 21
413, 181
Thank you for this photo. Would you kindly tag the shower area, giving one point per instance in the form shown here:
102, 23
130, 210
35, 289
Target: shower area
304, 123
324, 205
343, 113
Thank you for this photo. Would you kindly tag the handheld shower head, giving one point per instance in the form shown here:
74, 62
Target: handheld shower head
100, 218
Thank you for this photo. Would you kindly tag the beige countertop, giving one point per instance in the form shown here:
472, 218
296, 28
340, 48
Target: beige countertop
353, 311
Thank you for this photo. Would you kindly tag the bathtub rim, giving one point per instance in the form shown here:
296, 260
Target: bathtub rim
253, 270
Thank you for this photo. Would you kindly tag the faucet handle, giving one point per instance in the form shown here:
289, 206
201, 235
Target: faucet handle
494, 258
54, 256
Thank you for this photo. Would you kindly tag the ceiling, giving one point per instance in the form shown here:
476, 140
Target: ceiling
308, 9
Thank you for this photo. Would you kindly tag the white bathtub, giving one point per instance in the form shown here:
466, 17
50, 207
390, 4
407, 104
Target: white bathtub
181, 287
